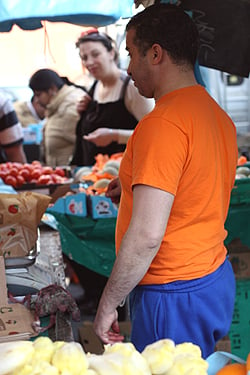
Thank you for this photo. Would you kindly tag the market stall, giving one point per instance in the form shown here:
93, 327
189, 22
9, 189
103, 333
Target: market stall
86, 222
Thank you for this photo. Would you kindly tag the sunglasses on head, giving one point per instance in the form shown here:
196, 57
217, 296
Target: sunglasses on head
90, 31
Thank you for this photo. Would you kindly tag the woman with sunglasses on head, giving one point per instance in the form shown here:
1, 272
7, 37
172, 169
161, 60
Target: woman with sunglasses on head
113, 105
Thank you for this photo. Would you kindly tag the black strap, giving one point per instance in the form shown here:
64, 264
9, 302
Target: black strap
92, 89
124, 77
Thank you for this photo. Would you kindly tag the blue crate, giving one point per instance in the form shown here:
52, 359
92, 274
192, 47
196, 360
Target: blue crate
33, 134
101, 207
76, 205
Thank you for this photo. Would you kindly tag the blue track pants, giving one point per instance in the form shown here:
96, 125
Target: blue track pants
198, 311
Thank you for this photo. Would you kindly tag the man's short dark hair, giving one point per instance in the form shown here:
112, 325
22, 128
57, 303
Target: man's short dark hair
169, 26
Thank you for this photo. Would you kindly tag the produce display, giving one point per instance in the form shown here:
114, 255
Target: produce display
44, 357
233, 369
100, 174
242, 160
18, 174
242, 171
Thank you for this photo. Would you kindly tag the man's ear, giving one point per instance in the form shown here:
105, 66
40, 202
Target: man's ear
156, 53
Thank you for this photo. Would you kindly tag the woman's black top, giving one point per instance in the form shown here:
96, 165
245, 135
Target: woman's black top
113, 115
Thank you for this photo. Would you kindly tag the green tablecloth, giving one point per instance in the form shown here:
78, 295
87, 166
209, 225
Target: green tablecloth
91, 242
87, 241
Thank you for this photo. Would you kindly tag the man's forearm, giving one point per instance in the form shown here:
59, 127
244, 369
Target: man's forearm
138, 248
133, 261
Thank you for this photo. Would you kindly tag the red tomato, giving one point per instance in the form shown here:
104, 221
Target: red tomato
36, 173
11, 180
13, 171
36, 163
47, 170
20, 180
44, 180
8, 164
27, 166
17, 165
25, 173
59, 171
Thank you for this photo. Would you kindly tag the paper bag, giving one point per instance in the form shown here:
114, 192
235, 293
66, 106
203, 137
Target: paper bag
20, 215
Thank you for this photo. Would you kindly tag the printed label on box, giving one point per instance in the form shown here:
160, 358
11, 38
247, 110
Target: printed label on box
102, 207
76, 205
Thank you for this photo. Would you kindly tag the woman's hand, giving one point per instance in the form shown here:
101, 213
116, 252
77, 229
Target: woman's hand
101, 137
114, 190
83, 103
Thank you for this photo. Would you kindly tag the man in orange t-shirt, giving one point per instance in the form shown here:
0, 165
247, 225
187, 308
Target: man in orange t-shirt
176, 177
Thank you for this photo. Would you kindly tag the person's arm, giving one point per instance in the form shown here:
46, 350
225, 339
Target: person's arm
83, 103
11, 133
15, 153
138, 248
67, 117
104, 136
114, 190
137, 104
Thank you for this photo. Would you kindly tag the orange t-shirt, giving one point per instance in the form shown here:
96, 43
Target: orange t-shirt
186, 146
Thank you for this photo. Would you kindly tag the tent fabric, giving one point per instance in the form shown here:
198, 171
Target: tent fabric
28, 14
224, 25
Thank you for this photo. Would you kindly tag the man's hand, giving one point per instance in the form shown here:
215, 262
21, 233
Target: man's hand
114, 190
107, 328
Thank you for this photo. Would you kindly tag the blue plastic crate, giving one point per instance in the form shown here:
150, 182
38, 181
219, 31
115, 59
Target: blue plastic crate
101, 207
33, 134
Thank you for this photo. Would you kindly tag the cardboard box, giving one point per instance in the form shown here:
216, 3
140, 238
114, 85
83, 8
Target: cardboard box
59, 190
241, 264
92, 344
237, 246
15, 319
101, 207
224, 345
